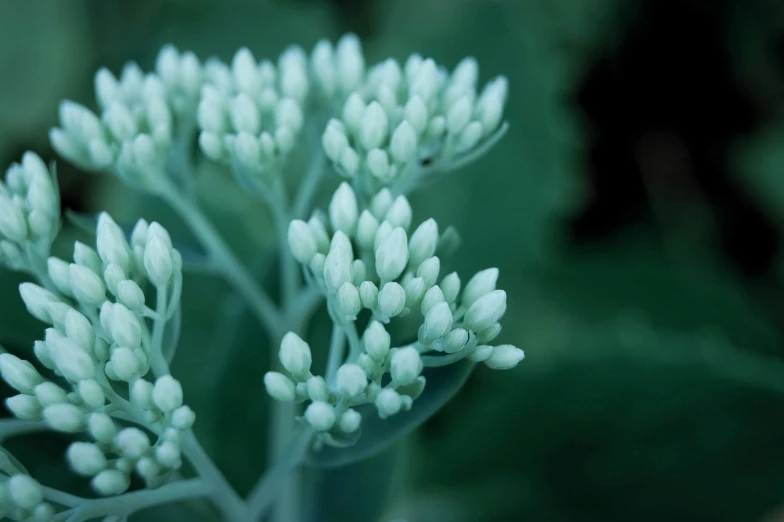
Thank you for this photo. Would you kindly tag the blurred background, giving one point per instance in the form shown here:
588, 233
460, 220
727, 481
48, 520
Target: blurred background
635, 210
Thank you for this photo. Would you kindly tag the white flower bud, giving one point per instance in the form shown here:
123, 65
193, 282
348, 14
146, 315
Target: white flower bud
111, 242
415, 291
490, 106
125, 364
293, 66
289, 114
244, 69
211, 144
438, 322
470, 136
41, 351
91, 393
25, 491
167, 393
284, 139
455, 340
403, 144
86, 286
85, 458
337, 269
504, 357
19, 374
101, 427
120, 121
423, 242
110, 482
279, 387
437, 127
350, 420
79, 121
350, 62
459, 114
139, 233
425, 81
319, 231
317, 263
87, 257
349, 161
366, 230
64, 417
353, 112
334, 140
416, 114
132, 442
482, 283
12, 220
130, 294
399, 213
429, 270
301, 241
244, 114
158, 261
168, 454
391, 299
381, 202
141, 394
79, 330
323, 64
37, 299
489, 334
374, 126
406, 365
383, 230
320, 415
347, 302
431, 298
377, 340
183, 417
295, 356
148, 468
157, 230
49, 393
486, 311
25, 407
343, 209
388, 403
368, 295
367, 363
125, 327
73, 362
378, 165
350, 380
450, 286
392, 255
358, 272
317, 388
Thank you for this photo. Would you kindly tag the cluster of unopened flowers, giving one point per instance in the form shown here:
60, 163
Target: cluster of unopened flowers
387, 130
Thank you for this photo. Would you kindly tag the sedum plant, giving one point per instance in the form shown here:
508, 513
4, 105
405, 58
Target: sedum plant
405, 335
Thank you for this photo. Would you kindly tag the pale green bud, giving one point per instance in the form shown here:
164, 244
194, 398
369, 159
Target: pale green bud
381, 202
366, 230
211, 144
86, 286
317, 263
168, 454
59, 273
183, 417
87, 257
481, 353
486, 311
141, 393
415, 290
368, 294
353, 111
132, 442
347, 302
343, 209
320, 415
438, 322
334, 140
437, 127
455, 340
91, 393
367, 363
246, 150
295, 356
388, 402
341, 241
428, 270
470, 136
377, 162
459, 114
431, 298
317, 388
19, 374
41, 351
400, 213
414, 389
349, 161
85, 458
450, 286
319, 233
425, 81
337, 269
490, 105
244, 114
350, 380
130, 294
373, 127
110, 482
148, 468
279, 387
423, 242
482, 283
391, 299
416, 113
504, 357
49, 393
139, 233
489, 334
12, 220
79, 329
382, 232
125, 365
167, 393
101, 427
25, 407
111, 243
64, 417
125, 327
158, 260
289, 114
25, 491
350, 420
358, 272
72, 361
403, 145
350, 62
301, 241
377, 340
392, 255
406, 365
37, 300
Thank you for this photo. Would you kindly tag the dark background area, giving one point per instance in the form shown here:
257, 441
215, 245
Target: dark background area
635, 210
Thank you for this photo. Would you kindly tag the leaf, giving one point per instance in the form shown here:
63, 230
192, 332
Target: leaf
378, 434
193, 256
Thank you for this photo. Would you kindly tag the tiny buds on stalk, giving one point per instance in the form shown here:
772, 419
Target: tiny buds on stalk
124, 326
350, 420
349, 161
111, 243
19, 374
343, 209
319, 231
415, 290
79, 329
423, 242
391, 300
438, 322
350, 380
470, 136
168, 454
367, 363
25, 407
317, 263
110, 482
124, 364
279, 387
101, 427
481, 353
358, 272
381, 202
366, 230
86, 286
158, 260
131, 295
334, 139
486, 310
132, 443
504, 357
91, 393
406, 365
64, 417
373, 127
167, 393
183, 418
25, 491
37, 300
320, 415
377, 341
350, 62
368, 295
450, 286
337, 269
388, 402
12, 220
400, 213
377, 162
49, 393
317, 388
459, 114
403, 144
87, 257
141, 394
347, 301
455, 340
295, 356
353, 112
392, 255
85, 458
482, 283
302, 241
70, 360
59, 273
428, 270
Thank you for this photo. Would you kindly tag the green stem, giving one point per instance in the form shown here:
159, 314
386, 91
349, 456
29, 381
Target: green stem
309, 186
157, 362
226, 261
337, 349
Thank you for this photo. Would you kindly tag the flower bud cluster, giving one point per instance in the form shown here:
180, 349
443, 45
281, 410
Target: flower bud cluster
22, 499
399, 117
29, 212
99, 333
251, 112
133, 132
